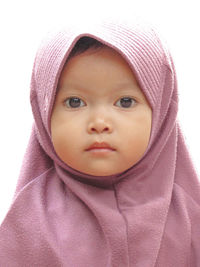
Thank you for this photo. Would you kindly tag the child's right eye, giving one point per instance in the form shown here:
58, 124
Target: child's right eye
74, 102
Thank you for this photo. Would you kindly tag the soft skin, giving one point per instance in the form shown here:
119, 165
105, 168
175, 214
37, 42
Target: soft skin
99, 80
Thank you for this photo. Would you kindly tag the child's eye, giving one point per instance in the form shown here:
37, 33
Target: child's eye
126, 102
74, 102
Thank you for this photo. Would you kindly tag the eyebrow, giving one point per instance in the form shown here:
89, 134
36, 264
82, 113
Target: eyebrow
118, 86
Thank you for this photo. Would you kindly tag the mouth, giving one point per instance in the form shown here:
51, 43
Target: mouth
102, 147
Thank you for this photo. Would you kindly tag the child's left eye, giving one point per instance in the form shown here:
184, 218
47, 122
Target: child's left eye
126, 102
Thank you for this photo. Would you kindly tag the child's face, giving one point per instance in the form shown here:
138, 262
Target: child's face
99, 100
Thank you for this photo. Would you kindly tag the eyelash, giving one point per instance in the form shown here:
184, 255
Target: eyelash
77, 98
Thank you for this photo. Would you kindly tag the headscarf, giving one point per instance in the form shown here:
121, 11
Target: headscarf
149, 215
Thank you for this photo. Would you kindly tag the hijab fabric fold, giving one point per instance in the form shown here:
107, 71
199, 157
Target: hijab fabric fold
146, 216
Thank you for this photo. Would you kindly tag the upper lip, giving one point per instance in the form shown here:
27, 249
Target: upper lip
100, 145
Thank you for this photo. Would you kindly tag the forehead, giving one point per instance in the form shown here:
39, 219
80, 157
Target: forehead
95, 65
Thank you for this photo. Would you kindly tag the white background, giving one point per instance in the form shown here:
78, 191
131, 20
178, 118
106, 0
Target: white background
24, 23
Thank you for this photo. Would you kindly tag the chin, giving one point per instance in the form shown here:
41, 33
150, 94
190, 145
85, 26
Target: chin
101, 173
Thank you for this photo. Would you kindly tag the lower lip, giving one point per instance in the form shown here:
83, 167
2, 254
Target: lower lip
100, 151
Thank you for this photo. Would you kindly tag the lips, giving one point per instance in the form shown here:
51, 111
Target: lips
102, 145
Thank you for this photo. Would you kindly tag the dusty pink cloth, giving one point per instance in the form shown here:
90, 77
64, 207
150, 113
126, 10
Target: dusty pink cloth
147, 216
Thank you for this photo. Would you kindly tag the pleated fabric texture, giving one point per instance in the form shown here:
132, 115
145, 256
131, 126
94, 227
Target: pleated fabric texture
146, 216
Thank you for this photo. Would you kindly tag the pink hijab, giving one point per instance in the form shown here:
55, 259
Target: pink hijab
146, 216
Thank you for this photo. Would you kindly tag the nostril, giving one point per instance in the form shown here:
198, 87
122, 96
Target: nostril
104, 129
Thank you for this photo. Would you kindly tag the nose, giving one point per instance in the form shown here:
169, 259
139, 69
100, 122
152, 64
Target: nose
99, 126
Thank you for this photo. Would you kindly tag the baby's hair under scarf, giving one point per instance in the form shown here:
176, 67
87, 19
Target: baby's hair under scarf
146, 216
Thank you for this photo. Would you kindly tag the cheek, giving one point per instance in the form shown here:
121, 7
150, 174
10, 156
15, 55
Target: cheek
138, 135
66, 136
63, 145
